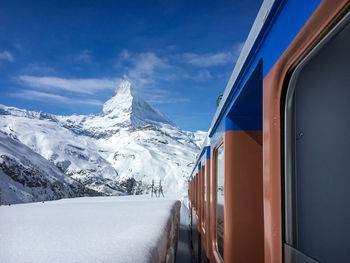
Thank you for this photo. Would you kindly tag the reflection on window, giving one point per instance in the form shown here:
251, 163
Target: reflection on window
220, 199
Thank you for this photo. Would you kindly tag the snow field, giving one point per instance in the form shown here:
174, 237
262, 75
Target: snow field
91, 229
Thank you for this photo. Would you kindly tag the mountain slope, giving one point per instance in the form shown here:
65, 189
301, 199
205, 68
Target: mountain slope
120, 150
25, 176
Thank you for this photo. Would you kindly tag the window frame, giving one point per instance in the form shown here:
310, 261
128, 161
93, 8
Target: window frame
215, 254
203, 216
208, 210
199, 201
195, 195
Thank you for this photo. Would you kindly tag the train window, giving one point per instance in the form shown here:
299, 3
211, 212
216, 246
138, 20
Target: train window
220, 199
204, 176
192, 192
195, 193
198, 194
190, 195
192, 200
317, 126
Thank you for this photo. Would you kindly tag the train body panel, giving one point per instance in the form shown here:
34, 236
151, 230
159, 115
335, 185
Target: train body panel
246, 188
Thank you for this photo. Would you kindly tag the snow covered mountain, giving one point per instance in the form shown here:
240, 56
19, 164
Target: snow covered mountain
122, 149
127, 108
25, 176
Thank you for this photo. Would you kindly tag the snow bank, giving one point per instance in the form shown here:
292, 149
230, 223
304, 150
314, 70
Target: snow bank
91, 229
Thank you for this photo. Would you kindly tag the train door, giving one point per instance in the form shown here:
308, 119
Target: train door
317, 150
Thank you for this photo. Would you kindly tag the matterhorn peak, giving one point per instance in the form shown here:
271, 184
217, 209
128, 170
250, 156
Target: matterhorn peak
126, 106
122, 99
125, 87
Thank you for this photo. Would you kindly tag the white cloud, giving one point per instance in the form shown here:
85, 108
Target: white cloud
143, 68
161, 96
85, 56
214, 59
125, 54
200, 76
34, 68
171, 47
43, 96
163, 100
6, 56
85, 86
146, 71
146, 64
209, 59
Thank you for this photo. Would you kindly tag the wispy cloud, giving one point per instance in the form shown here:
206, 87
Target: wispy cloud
150, 71
162, 96
201, 75
209, 59
6, 56
84, 86
43, 96
85, 56
163, 100
145, 67
171, 47
213, 59
34, 68
125, 54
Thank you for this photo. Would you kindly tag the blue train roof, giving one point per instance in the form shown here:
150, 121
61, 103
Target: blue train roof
204, 153
246, 50
276, 25
278, 22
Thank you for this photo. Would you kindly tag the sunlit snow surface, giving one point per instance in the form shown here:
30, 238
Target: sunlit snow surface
91, 229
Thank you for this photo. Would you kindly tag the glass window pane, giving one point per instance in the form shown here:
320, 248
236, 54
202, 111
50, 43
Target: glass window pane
220, 199
195, 193
204, 192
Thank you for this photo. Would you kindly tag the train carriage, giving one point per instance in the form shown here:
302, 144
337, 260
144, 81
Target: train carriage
272, 181
199, 183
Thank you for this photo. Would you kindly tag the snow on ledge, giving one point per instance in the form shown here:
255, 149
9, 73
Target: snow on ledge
91, 229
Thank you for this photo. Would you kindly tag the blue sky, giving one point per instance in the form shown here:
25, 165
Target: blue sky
66, 57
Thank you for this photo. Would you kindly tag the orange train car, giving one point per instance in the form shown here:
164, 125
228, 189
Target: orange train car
271, 183
200, 216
